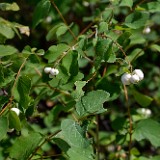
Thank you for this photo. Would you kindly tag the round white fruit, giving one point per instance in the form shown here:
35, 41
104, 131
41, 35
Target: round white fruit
54, 71
16, 110
47, 69
134, 79
139, 73
147, 30
148, 112
126, 78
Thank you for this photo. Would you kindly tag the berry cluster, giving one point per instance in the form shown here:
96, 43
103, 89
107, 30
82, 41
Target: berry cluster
51, 71
136, 76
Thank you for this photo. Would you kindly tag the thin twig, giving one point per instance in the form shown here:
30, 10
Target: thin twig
13, 87
63, 19
8, 104
94, 74
130, 123
121, 49
17, 76
45, 140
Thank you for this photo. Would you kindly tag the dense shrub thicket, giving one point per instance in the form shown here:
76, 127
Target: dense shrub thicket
80, 80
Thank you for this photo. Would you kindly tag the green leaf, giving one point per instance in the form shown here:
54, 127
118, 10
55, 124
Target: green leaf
123, 39
52, 33
9, 6
6, 50
63, 75
155, 47
110, 55
134, 54
3, 100
14, 121
41, 11
3, 127
102, 47
103, 27
75, 136
24, 86
78, 93
55, 52
136, 20
62, 144
152, 7
70, 62
61, 30
112, 87
2, 80
24, 146
142, 99
6, 30
148, 129
128, 3
92, 103
6, 76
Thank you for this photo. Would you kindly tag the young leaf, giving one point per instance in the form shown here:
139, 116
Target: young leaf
148, 129
142, 99
3, 127
136, 20
41, 11
6, 50
92, 103
23, 86
24, 146
78, 93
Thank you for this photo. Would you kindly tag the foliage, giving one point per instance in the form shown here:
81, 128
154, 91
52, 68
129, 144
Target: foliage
83, 111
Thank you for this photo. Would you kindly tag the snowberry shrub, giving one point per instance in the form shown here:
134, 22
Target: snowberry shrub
69, 89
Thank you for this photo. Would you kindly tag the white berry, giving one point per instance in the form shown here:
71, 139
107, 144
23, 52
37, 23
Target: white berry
134, 79
16, 110
148, 112
126, 78
147, 30
47, 69
54, 71
139, 73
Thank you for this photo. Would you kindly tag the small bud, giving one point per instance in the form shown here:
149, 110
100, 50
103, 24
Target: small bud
24, 30
16, 110
139, 73
134, 79
47, 69
126, 78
